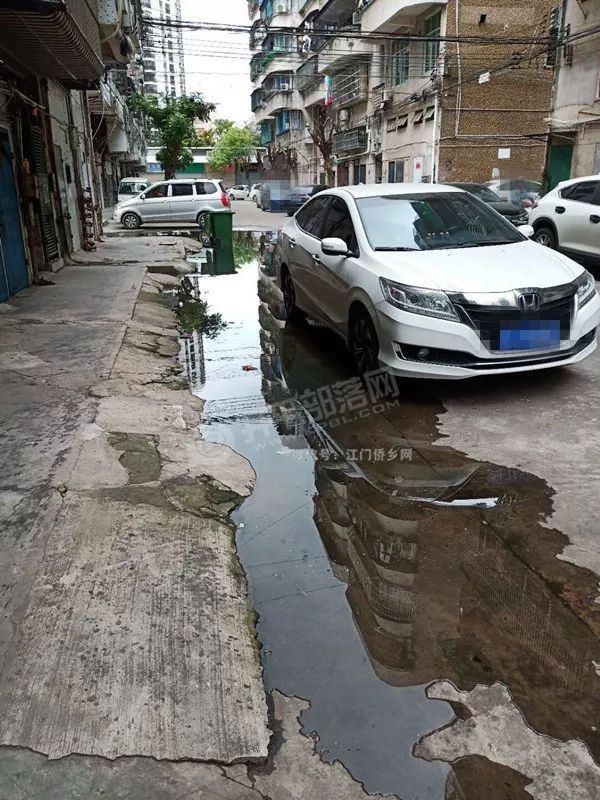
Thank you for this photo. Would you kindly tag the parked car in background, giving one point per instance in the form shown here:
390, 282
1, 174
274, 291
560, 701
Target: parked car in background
239, 192
568, 218
131, 187
513, 213
173, 201
427, 281
520, 191
254, 194
299, 195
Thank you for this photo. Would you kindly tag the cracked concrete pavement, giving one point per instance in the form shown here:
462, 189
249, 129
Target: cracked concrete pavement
129, 663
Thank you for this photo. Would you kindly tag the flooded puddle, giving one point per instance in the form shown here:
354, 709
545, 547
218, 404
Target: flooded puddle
381, 562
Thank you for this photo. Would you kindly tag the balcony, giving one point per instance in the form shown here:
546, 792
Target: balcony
71, 37
269, 61
386, 16
272, 8
280, 100
351, 141
257, 100
337, 53
258, 34
307, 76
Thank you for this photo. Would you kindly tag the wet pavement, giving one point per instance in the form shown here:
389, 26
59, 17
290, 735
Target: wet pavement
381, 562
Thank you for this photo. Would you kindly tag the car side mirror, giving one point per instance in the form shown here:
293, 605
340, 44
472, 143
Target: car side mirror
526, 230
332, 246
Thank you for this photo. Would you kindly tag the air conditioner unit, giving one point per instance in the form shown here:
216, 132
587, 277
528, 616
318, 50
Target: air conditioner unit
387, 97
344, 116
356, 18
284, 87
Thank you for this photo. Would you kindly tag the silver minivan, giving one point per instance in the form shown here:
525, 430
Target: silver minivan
173, 201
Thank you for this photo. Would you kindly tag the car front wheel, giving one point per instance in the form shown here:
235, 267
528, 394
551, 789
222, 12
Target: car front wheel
546, 237
131, 221
202, 220
363, 342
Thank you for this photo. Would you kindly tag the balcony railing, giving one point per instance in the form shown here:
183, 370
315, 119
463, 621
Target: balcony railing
355, 139
349, 89
280, 85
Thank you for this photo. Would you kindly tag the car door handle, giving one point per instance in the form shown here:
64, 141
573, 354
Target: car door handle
292, 243
594, 218
317, 260
560, 209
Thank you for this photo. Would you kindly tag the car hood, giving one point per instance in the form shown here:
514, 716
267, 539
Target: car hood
503, 207
497, 268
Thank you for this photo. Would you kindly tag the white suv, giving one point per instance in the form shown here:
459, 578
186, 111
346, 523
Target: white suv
173, 201
568, 218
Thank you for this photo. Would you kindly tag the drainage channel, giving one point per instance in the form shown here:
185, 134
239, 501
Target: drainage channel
392, 576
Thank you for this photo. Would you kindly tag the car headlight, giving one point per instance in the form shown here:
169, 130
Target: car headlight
586, 287
420, 301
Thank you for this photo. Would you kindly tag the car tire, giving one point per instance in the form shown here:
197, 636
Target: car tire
292, 312
202, 220
290, 213
231, 197
545, 236
131, 221
363, 342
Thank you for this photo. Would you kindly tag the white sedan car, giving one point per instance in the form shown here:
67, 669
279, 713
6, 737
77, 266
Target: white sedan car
239, 192
428, 281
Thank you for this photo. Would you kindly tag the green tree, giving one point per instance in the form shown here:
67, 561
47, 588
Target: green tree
172, 126
236, 147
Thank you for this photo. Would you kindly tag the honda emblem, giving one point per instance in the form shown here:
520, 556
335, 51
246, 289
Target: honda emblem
529, 302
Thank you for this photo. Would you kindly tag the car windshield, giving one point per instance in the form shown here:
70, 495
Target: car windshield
432, 221
301, 190
484, 193
129, 188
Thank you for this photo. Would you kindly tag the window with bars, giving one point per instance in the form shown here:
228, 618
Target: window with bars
554, 21
400, 62
433, 27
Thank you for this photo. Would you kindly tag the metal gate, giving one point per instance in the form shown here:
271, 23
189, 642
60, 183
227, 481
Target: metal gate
13, 264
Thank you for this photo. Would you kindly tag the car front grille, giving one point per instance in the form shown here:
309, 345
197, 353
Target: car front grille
488, 322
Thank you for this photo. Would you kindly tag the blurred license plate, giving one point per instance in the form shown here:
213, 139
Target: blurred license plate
537, 334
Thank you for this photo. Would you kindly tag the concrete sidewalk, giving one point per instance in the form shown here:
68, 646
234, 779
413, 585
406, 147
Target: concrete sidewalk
125, 626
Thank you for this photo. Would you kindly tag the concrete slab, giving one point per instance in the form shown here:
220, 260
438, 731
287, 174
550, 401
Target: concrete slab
190, 456
120, 652
497, 730
102, 293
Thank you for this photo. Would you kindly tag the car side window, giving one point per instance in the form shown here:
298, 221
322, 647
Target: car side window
158, 191
181, 189
203, 187
338, 223
310, 217
584, 192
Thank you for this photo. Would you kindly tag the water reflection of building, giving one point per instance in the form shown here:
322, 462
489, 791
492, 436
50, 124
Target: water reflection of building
192, 359
437, 588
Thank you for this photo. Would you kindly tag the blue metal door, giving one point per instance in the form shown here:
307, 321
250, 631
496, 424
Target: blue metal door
13, 264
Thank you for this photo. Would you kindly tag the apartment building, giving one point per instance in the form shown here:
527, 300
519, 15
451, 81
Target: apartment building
574, 149
378, 94
66, 135
164, 62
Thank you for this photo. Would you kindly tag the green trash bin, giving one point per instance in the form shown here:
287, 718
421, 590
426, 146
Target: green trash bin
221, 231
